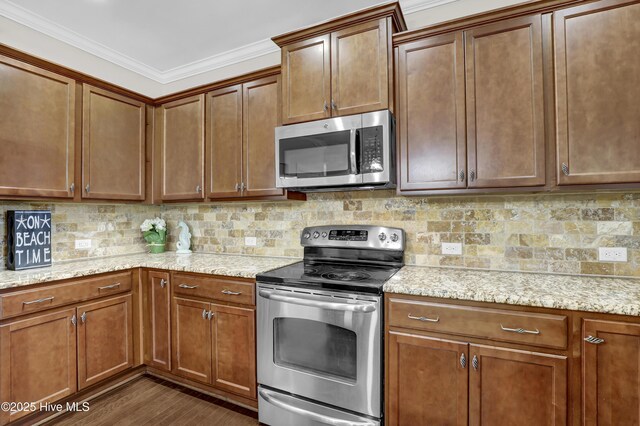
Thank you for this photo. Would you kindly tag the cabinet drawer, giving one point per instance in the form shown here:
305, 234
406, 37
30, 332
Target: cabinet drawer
226, 290
495, 324
27, 301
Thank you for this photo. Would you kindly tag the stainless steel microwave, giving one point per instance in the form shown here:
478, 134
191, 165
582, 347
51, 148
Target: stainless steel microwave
342, 153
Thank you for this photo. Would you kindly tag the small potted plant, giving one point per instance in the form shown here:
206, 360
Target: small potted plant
154, 232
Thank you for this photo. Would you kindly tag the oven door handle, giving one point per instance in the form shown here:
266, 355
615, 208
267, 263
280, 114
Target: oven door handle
272, 399
335, 306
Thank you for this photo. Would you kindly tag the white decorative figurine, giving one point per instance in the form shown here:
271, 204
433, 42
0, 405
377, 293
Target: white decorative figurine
184, 239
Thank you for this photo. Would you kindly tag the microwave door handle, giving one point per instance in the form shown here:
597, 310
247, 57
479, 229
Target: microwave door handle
352, 148
335, 306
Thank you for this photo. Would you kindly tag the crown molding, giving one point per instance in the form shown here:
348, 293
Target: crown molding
412, 6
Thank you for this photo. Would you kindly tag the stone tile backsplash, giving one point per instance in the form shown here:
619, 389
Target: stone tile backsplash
544, 233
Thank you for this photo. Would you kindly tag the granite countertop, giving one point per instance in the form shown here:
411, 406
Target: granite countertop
205, 263
571, 292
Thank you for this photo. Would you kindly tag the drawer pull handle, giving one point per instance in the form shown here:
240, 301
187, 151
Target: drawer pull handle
232, 293
190, 287
519, 330
44, 299
109, 287
594, 340
423, 319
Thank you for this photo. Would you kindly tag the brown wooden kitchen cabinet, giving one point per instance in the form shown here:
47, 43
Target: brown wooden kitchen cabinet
38, 360
191, 335
157, 320
611, 373
113, 146
105, 339
597, 92
340, 67
37, 131
181, 131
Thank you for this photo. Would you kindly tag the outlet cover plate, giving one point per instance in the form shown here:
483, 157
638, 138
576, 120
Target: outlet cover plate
612, 254
250, 241
83, 244
452, 249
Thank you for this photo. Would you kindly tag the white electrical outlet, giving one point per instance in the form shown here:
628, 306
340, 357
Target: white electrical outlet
612, 254
454, 249
83, 244
250, 241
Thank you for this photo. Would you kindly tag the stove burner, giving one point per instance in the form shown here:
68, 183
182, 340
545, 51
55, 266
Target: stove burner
346, 276
308, 270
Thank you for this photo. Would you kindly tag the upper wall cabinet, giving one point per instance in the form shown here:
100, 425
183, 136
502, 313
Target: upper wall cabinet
597, 73
339, 67
37, 131
113, 146
181, 142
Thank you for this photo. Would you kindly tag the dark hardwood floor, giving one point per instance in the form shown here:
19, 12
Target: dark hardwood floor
152, 401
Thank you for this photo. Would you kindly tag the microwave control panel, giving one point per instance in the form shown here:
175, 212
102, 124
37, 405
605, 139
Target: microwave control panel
372, 143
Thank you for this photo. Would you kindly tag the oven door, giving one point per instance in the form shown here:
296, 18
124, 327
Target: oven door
320, 153
321, 345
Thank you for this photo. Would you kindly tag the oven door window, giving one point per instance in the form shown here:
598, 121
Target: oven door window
316, 156
315, 347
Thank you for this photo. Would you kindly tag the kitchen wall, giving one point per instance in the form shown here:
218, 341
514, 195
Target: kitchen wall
547, 233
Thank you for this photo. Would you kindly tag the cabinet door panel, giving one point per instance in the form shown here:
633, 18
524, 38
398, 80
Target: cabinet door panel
37, 131
113, 146
105, 339
191, 334
597, 92
360, 68
38, 360
427, 383
505, 105
432, 113
306, 76
157, 320
182, 147
611, 374
261, 115
224, 145
234, 350
511, 387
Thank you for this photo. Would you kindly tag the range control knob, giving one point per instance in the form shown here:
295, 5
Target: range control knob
316, 234
324, 235
382, 236
306, 236
394, 237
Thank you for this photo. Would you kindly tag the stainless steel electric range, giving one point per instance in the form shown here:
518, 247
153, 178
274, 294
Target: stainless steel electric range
320, 328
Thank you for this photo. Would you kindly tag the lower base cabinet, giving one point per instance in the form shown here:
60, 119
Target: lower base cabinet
192, 340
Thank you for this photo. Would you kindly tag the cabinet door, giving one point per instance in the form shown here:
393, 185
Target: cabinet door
182, 148
105, 339
431, 113
224, 142
157, 321
234, 349
427, 381
511, 387
360, 68
597, 92
191, 334
611, 373
37, 131
261, 115
113, 146
38, 360
505, 107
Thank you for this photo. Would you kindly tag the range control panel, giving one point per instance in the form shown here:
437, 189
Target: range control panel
355, 236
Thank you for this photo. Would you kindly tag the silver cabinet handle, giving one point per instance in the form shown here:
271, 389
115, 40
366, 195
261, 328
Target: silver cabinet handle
424, 319
83, 317
273, 399
326, 107
242, 186
565, 169
109, 287
204, 314
44, 299
472, 175
335, 306
163, 283
333, 105
461, 175
237, 187
594, 340
74, 321
72, 188
519, 330
86, 188
198, 189
232, 293
475, 362
463, 360
210, 315
188, 286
